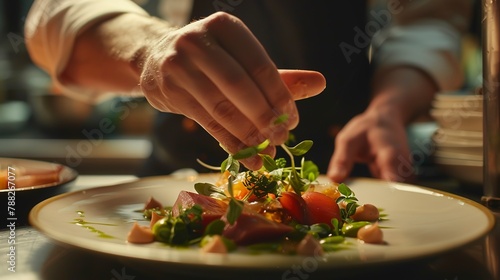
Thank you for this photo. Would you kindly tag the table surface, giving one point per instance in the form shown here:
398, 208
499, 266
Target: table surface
37, 257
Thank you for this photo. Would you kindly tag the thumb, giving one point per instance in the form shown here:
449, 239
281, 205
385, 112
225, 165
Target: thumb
303, 83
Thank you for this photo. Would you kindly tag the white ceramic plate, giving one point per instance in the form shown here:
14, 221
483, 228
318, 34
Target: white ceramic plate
464, 170
458, 119
460, 146
478, 159
458, 102
459, 134
421, 222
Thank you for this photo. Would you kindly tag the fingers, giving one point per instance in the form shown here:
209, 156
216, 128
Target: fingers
351, 146
343, 158
218, 74
380, 145
303, 83
384, 167
394, 164
219, 117
231, 57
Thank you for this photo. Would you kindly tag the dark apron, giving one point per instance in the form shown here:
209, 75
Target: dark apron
315, 35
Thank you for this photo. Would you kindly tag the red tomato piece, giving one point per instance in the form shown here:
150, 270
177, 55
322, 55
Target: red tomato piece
295, 206
321, 208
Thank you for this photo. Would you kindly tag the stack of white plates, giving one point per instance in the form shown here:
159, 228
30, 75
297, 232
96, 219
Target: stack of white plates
459, 138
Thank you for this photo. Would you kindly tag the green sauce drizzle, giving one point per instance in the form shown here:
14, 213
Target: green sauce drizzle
85, 224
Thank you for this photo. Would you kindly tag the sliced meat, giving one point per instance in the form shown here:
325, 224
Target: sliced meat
251, 227
212, 208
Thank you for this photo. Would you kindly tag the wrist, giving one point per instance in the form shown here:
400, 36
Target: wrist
403, 93
104, 60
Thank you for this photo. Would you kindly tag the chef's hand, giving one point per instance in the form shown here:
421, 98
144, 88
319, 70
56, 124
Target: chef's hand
216, 72
377, 140
377, 137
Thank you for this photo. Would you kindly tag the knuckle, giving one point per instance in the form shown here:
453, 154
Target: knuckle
342, 139
263, 70
214, 127
224, 110
252, 136
197, 37
148, 83
187, 38
220, 18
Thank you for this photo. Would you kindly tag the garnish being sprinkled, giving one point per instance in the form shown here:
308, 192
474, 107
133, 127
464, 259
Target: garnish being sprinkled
273, 173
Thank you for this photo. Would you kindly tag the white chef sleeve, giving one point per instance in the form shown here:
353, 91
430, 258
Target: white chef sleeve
432, 46
425, 34
52, 26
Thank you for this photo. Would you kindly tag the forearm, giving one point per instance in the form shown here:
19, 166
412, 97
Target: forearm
107, 61
425, 35
402, 94
52, 28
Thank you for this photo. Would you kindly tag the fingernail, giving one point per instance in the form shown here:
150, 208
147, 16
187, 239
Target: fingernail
252, 163
285, 120
277, 134
289, 110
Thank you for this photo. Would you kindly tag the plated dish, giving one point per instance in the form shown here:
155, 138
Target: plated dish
24, 183
24, 174
421, 222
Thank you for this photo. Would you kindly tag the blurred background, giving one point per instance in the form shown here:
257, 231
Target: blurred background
112, 136
36, 124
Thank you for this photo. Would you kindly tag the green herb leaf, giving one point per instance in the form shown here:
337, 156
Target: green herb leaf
235, 206
281, 119
259, 184
269, 163
251, 151
291, 138
301, 148
223, 165
280, 162
230, 185
179, 230
296, 182
319, 230
309, 170
216, 227
336, 227
207, 189
232, 165
351, 208
234, 210
345, 190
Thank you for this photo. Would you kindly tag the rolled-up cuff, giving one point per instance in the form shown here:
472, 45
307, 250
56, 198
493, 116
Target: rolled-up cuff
432, 46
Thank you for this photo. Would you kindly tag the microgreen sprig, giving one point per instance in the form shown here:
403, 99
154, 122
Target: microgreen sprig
300, 149
235, 207
261, 185
348, 197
